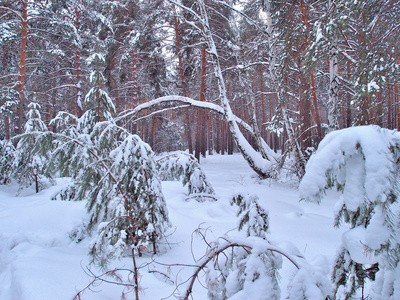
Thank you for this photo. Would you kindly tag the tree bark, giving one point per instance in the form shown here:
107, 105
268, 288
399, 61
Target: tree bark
78, 71
22, 64
188, 128
200, 135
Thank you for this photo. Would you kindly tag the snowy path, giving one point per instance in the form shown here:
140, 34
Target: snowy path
39, 261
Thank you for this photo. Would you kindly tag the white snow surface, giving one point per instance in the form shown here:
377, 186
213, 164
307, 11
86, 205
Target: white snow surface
38, 260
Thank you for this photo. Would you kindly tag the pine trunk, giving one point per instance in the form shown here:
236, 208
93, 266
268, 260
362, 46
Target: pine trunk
22, 64
78, 71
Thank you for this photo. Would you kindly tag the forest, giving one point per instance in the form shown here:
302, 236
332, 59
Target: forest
121, 96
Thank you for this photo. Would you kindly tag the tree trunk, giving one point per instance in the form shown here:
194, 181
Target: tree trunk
78, 71
333, 101
261, 166
22, 64
188, 128
201, 130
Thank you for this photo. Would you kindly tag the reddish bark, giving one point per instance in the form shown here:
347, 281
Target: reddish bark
396, 97
22, 63
260, 74
188, 129
200, 136
314, 107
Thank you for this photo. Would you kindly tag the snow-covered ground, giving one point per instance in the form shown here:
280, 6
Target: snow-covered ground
38, 259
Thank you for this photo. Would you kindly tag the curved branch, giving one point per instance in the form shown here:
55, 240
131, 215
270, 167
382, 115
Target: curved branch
181, 99
229, 244
12, 11
198, 104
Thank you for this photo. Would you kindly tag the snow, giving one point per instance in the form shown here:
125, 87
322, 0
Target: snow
38, 259
371, 144
373, 86
354, 242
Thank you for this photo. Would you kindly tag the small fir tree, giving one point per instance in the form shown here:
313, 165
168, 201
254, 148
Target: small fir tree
135, 206
32, 151
7, 152
97, 98
246, 271
116, 173
185, 167
363, 163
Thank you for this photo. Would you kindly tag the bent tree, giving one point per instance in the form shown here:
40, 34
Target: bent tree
260, 157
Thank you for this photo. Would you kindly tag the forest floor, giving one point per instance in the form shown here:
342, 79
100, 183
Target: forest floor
39, 260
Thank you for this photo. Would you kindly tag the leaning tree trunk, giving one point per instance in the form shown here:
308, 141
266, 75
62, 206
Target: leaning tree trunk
263, 167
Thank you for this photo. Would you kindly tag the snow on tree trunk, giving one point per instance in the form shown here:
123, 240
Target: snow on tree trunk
333, 112
255, 160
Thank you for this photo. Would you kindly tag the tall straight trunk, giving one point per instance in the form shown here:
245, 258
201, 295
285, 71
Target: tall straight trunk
135, 88
218, 136
188, 127
22, 64
153, 131
389, 107
223, 148
396, 100
7, 126
78, 107
305, 114
314, 109
54, 110
5, 115
333, 101
348, 104
48, 109
200, 136
256, 139
396, 96
203, 119
209, 128
261, 78
135, 78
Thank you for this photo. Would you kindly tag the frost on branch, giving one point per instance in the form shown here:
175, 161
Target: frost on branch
251, 215
7, 151
184, 167
363, 163
126, 202
247, 268
115, 172
32, 151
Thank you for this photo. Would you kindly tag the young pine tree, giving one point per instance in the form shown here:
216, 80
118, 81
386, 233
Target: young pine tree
7, 151
363, 163
185, 167
32, 151
128, 204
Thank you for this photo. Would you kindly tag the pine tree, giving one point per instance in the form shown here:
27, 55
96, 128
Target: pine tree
363, 163
32, 151
7, 151
116, 173
97, 98
185, 167
129, 208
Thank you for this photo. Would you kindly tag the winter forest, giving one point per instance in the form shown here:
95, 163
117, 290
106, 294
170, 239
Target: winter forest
199, 149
